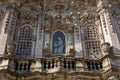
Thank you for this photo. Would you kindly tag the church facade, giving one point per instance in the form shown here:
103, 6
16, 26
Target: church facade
59, 39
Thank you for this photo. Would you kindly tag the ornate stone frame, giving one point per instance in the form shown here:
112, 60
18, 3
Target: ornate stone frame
65, 41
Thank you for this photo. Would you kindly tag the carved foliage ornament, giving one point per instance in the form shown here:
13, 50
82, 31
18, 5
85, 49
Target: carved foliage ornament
59, 6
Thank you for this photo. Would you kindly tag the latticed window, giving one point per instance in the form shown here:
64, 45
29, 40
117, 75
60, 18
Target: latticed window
92, 46
91, 33
24, 45
91, 36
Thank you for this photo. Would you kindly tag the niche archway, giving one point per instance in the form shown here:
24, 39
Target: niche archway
58, 43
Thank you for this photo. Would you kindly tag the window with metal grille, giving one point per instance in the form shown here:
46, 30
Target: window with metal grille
91, 33
24, 44
92, 46
91, 39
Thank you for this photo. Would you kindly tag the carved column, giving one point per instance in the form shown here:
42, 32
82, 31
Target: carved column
59, 66
22, 66
18, 67
55, 64
62, 64
67, 65
26, 67
46, 65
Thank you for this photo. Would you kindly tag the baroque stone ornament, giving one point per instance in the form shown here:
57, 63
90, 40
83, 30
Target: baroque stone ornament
72, 52
59, 6
105, 47
10, 48
59, 39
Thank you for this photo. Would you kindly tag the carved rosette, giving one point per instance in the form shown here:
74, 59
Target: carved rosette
10, 48
105, 47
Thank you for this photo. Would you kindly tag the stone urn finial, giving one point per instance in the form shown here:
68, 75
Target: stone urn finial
105, 47
10, 48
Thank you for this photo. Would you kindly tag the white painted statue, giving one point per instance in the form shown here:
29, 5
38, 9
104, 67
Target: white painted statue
58, 46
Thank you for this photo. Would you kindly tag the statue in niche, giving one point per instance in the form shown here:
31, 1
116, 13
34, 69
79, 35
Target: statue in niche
58, 44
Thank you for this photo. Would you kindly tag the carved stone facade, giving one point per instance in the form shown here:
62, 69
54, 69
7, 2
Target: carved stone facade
59, 40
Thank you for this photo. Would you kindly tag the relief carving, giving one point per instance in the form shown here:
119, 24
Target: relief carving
46, 50
105, 47
72, 52
10, 48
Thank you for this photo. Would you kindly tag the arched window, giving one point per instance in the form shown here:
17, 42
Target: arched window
24, 44
91, 39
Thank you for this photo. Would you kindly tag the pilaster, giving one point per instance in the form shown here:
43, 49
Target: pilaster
8, 28
39, 40
7, 34
77, 40
108, 26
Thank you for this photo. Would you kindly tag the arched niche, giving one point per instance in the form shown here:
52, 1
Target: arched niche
58, 43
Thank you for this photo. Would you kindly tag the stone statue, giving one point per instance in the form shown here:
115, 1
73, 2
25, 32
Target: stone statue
58, 45
105, 47
10, 48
